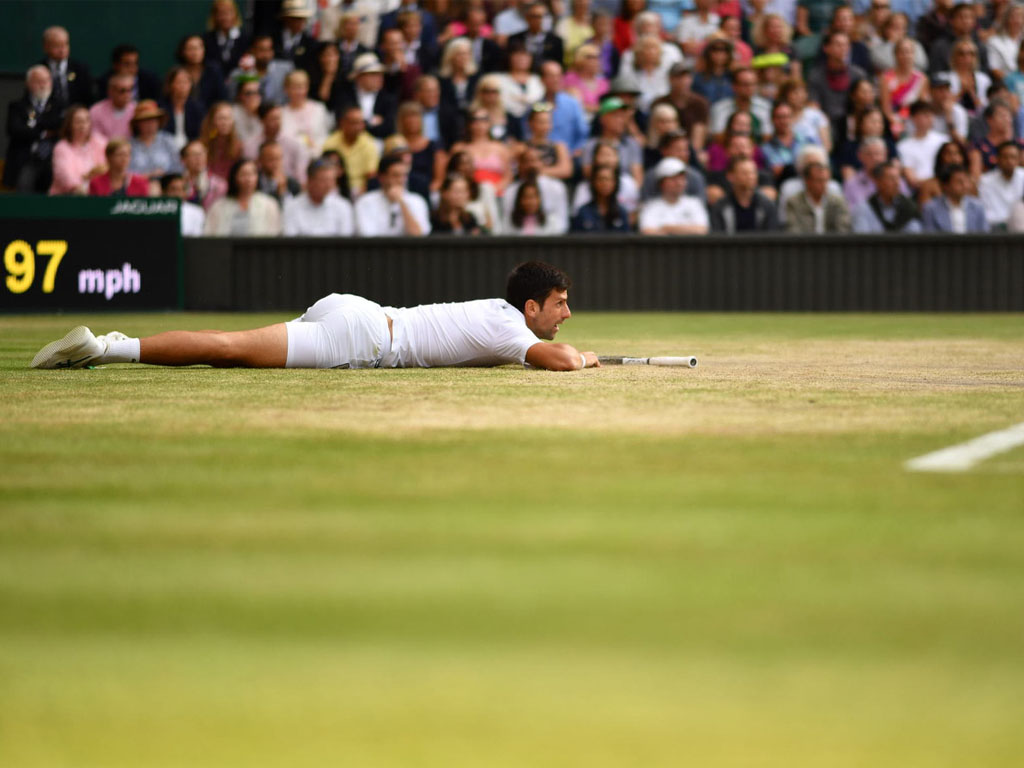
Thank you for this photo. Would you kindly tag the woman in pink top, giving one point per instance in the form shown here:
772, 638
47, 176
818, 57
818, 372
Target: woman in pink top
79, 155
585, 81
118, 181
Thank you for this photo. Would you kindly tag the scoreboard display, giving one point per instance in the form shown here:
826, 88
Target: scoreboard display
90, 254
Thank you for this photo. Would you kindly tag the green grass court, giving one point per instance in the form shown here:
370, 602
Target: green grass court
621, 567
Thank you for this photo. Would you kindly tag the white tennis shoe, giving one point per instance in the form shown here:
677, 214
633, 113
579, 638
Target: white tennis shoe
78, 349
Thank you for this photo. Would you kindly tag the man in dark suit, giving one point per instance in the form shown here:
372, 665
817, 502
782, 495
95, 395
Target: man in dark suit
390, 21
292, 43
225, 43
32, 125
441, 122
124, 60
348, 42
72, 83
366, 91
487, 54
543, 46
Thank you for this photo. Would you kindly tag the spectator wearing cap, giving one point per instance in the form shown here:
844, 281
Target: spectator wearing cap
273, 180
356, 147
830, 80
612, 128
696, 27
124, 60
887, 210
602, 213
585, 81
153, 151
553, 194
392, 210
713, 80
118, 180
72, 83
292, 42
954, 210
692, 108
542, 44
319, 211
259, 64
673, 212
193, 217
917, 150
1003, 186
815, 209
33, 124
950, 116
743, 208
744, 99
568, 120
675, 144
112, 116
225, 43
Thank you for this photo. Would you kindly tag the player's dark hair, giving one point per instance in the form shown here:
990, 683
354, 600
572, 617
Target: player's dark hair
534, 280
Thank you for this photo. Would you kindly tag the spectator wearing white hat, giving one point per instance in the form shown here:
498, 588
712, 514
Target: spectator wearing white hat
673, 212
366, 91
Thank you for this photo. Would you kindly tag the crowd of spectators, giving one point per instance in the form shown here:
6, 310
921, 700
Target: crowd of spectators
541, 117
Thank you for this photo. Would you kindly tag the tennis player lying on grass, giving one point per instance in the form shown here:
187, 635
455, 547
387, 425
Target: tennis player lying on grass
346, 331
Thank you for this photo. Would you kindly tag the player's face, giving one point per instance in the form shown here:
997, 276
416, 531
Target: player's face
545, 320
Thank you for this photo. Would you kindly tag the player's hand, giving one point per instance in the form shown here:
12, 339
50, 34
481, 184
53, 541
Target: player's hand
592, 361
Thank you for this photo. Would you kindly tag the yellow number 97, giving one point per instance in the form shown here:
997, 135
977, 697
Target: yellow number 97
20, 263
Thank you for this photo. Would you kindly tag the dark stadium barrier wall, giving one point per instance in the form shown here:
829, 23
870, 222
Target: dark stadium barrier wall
714, 273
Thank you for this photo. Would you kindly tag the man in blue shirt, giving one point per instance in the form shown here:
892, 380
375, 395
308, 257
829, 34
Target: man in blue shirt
568, 120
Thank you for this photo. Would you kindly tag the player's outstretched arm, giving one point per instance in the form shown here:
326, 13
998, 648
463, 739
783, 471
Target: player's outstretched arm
560, 357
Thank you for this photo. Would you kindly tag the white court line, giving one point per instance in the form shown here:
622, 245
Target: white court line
960, 458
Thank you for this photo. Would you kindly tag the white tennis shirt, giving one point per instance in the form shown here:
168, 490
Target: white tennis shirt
469, 333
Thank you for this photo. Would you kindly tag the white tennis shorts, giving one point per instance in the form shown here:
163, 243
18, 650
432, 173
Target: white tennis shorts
339, 331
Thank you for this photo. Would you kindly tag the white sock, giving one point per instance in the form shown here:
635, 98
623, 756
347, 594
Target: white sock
123, 351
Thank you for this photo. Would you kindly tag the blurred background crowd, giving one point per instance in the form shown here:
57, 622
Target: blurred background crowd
541, 117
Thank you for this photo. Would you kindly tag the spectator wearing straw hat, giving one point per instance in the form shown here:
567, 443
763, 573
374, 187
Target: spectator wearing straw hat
292, 43
153, 152
366, 91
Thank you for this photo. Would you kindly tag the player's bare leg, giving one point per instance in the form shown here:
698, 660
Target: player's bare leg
80, 348
259, 348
